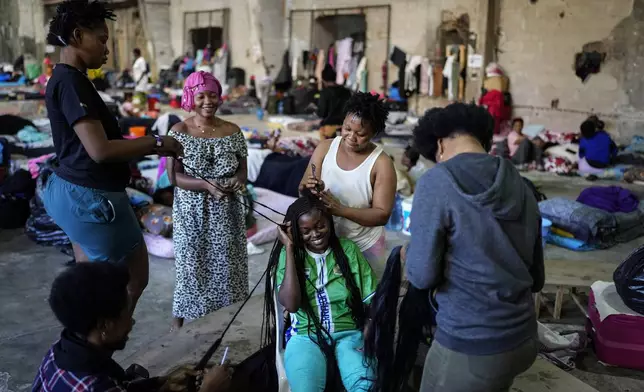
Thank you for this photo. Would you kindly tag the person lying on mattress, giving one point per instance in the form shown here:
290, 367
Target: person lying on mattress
355, 180
91, 302
324, 282
277, 167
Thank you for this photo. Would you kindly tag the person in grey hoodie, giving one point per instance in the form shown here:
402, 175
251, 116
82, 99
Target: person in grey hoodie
476, 244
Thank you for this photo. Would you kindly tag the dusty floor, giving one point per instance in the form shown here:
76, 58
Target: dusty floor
27, 327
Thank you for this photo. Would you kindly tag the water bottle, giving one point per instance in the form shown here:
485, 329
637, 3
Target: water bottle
395, 222
280, 107
260, 114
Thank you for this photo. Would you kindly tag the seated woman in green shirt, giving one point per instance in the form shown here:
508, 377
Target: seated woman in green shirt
324, 282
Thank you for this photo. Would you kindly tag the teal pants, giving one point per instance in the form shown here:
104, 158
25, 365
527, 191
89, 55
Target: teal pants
305, 363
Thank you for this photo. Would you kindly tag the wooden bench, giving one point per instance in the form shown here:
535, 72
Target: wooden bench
570, 276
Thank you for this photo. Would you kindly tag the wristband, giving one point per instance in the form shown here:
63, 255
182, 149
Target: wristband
159, 142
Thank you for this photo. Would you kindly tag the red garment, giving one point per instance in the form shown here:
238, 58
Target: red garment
494, 101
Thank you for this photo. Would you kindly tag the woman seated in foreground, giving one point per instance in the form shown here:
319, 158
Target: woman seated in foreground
324, 282
91, 302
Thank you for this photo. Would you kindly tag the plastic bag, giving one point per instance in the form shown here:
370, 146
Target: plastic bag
629, 281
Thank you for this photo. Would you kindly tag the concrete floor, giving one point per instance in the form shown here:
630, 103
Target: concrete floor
27, 327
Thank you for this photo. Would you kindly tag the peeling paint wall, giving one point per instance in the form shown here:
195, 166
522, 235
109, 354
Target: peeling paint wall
537, 45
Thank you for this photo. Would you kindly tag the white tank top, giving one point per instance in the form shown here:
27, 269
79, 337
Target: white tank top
353, 189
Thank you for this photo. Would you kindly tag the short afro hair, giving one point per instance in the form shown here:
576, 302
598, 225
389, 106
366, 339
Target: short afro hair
452, 120
87, 293
73, 14
412, 153
518, 120
588, 128
369, 108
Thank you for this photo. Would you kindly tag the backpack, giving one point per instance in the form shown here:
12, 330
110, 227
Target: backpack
628, 280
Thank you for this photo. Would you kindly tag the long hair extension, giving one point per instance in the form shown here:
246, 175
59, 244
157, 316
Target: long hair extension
321, 336
393, 355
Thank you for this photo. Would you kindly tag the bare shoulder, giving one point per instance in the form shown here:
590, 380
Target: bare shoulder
385, 164
181, 127
324, 145
227, 128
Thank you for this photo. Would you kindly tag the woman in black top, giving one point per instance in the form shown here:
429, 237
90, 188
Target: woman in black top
86, 194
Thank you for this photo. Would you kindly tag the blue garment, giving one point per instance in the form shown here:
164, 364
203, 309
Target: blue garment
305, 364
476, 239
101, 222
598, 150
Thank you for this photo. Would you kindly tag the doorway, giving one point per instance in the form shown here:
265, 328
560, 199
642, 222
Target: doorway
202, 37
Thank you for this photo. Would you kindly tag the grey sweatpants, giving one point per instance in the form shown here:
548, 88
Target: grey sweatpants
448, 371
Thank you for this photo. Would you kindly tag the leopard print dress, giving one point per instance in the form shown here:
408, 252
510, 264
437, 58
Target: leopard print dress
209, 235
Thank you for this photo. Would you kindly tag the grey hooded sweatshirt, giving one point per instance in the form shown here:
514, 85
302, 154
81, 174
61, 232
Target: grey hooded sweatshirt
476, 239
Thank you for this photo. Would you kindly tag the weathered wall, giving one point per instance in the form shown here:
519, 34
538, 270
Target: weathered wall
22, 29
537, 45
156, 17
245, 44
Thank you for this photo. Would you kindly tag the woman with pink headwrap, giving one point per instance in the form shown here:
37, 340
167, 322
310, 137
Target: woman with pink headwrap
209, 227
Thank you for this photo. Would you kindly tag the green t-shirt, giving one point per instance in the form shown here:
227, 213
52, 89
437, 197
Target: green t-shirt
326, 288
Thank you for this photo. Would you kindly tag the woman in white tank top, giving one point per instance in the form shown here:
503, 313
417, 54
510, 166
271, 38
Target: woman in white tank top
355, 180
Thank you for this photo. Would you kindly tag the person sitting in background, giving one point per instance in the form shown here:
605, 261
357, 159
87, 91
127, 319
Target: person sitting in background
331, 104
523, 151
91, 302
411, 161
127, 107
44, 78
597, 150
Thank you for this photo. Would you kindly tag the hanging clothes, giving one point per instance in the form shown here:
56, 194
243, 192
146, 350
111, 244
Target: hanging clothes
361, 79
319, 66
295, 66
284, 80
343, 62
425, 72
331, 57
411, 74
220, 63
451, 72
399, 59
352, 83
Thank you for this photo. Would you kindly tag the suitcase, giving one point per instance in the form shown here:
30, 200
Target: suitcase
616, 331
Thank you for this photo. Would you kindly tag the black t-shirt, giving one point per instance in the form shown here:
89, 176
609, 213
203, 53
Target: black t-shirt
70, 97
331, 104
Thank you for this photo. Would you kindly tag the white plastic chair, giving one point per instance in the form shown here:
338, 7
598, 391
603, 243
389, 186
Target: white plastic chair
282, 381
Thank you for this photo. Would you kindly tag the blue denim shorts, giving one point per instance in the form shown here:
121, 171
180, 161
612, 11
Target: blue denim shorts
102, 223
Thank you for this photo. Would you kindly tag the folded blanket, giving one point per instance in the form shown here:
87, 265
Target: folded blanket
587, 224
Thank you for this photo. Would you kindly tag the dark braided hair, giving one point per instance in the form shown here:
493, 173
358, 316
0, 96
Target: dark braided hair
393, 355
369, 108
72, 14
304, 205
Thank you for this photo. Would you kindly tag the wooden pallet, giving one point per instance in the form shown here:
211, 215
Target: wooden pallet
568, 277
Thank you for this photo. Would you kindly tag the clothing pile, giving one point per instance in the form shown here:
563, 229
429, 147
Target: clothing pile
40, 227
600, 218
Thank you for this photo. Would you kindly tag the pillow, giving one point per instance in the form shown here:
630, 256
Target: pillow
156, 219
532, 131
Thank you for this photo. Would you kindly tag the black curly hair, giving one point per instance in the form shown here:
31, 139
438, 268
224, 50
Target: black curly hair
73, 14
306, 204
369, 108
452, 120
87, 293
